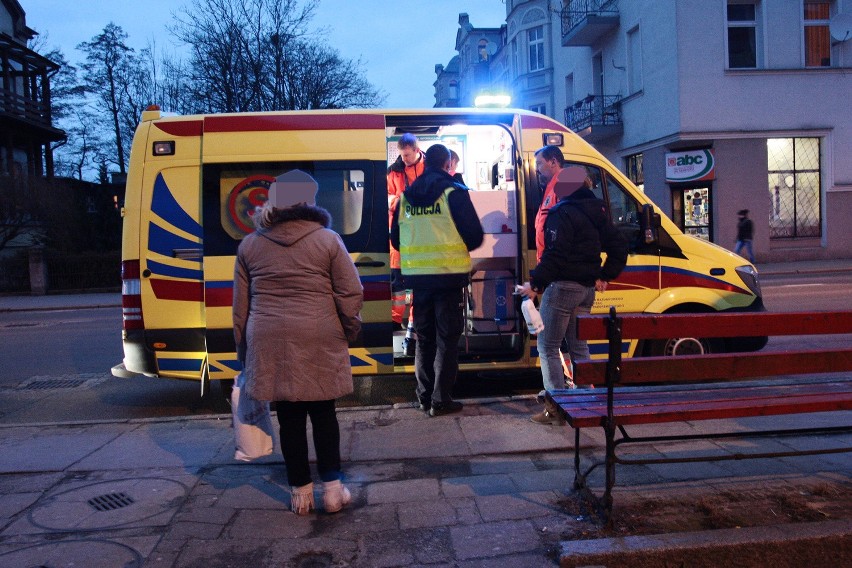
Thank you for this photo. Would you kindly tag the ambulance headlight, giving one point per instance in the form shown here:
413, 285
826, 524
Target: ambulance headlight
748, 274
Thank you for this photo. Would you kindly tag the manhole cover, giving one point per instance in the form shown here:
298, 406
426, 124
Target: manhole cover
69, 381
110, 501
44, 384
146, 501
93, 553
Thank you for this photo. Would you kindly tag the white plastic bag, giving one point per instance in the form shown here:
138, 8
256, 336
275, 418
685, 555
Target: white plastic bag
252, 424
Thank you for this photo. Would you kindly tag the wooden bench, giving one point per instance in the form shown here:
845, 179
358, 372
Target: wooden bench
701, 387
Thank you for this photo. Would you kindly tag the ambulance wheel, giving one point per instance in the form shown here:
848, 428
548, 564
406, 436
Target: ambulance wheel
679, 346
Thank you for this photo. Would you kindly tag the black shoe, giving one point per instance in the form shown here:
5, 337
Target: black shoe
425, 407
409, 346
446, 408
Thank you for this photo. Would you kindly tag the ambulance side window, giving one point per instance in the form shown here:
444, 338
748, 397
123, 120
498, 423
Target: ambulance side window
624, 212
594, 179
341, 193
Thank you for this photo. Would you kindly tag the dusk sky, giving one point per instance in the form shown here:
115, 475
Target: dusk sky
399, 42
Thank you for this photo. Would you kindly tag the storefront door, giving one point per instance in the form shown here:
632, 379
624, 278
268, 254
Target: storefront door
691, 211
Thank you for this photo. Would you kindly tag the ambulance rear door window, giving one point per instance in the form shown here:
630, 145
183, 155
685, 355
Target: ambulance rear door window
232, 192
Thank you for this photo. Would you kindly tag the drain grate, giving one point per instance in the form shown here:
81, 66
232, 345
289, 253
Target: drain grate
110, 501
45, 384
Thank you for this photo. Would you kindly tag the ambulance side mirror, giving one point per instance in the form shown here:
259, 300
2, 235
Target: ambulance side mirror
649, 222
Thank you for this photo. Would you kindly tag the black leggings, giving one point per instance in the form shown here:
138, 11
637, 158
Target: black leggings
292, 419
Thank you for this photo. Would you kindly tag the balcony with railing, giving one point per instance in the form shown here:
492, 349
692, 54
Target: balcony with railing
25, 90
596, 117
584, 22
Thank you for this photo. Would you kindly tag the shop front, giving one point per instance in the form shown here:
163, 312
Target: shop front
689, 175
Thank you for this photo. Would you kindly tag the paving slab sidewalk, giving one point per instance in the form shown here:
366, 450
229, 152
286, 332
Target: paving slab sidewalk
486, 487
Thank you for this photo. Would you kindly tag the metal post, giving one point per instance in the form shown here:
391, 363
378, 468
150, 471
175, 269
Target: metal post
613, 376
578, 478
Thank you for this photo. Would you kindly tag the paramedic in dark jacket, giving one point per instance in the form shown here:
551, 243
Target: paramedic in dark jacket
435, 227
577, 230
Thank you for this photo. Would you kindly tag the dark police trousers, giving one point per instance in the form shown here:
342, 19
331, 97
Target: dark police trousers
439, 325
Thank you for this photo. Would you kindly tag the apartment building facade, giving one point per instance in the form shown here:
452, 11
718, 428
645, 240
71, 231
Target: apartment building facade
711, 106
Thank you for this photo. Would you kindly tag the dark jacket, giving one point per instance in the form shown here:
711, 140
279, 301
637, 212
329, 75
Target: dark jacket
577, 230
424, 192
745, 229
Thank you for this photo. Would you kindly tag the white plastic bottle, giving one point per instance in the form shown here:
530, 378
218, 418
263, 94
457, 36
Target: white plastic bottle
532, 317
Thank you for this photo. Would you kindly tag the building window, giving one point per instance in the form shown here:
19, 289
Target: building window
536, 43
743, 35
817, 38
453, 91
482, 50
569, 89
541, 109
794, 187
635, 171
516, 70
634, 60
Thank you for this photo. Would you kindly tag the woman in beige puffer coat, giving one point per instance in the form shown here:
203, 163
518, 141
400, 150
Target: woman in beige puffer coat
296, 309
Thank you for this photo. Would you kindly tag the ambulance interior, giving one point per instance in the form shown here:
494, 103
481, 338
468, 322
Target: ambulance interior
492, 319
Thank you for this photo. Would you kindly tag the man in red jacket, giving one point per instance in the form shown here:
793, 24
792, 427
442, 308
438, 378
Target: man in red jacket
549, 161
401, 174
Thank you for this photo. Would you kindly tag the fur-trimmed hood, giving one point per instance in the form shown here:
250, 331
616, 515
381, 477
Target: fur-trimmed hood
291, 224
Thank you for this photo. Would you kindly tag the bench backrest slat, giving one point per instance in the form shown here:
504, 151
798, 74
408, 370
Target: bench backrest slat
716, 367
733, 324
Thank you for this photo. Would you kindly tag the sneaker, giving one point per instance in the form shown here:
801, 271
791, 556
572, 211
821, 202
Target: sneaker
335, 496
446, 408
302, 499
547, 418
424, 407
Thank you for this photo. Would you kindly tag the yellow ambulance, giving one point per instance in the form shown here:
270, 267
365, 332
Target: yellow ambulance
194, 182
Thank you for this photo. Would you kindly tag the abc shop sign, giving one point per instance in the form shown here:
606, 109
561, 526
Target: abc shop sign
695, 165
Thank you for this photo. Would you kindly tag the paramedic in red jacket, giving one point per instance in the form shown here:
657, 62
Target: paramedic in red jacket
401, 174
549, 161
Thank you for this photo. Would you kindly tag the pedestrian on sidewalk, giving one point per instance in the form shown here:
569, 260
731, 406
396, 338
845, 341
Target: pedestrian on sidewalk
576, 231
296, 310
745, 234
435, 227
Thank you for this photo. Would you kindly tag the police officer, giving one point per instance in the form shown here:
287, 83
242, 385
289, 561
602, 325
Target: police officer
435, 227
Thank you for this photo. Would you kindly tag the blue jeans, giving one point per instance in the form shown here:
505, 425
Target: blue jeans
561, 303
747, 246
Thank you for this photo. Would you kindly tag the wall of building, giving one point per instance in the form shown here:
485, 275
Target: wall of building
652, 112
6, 24
740, 184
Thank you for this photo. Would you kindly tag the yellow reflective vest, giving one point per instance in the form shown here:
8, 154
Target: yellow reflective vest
429, 242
